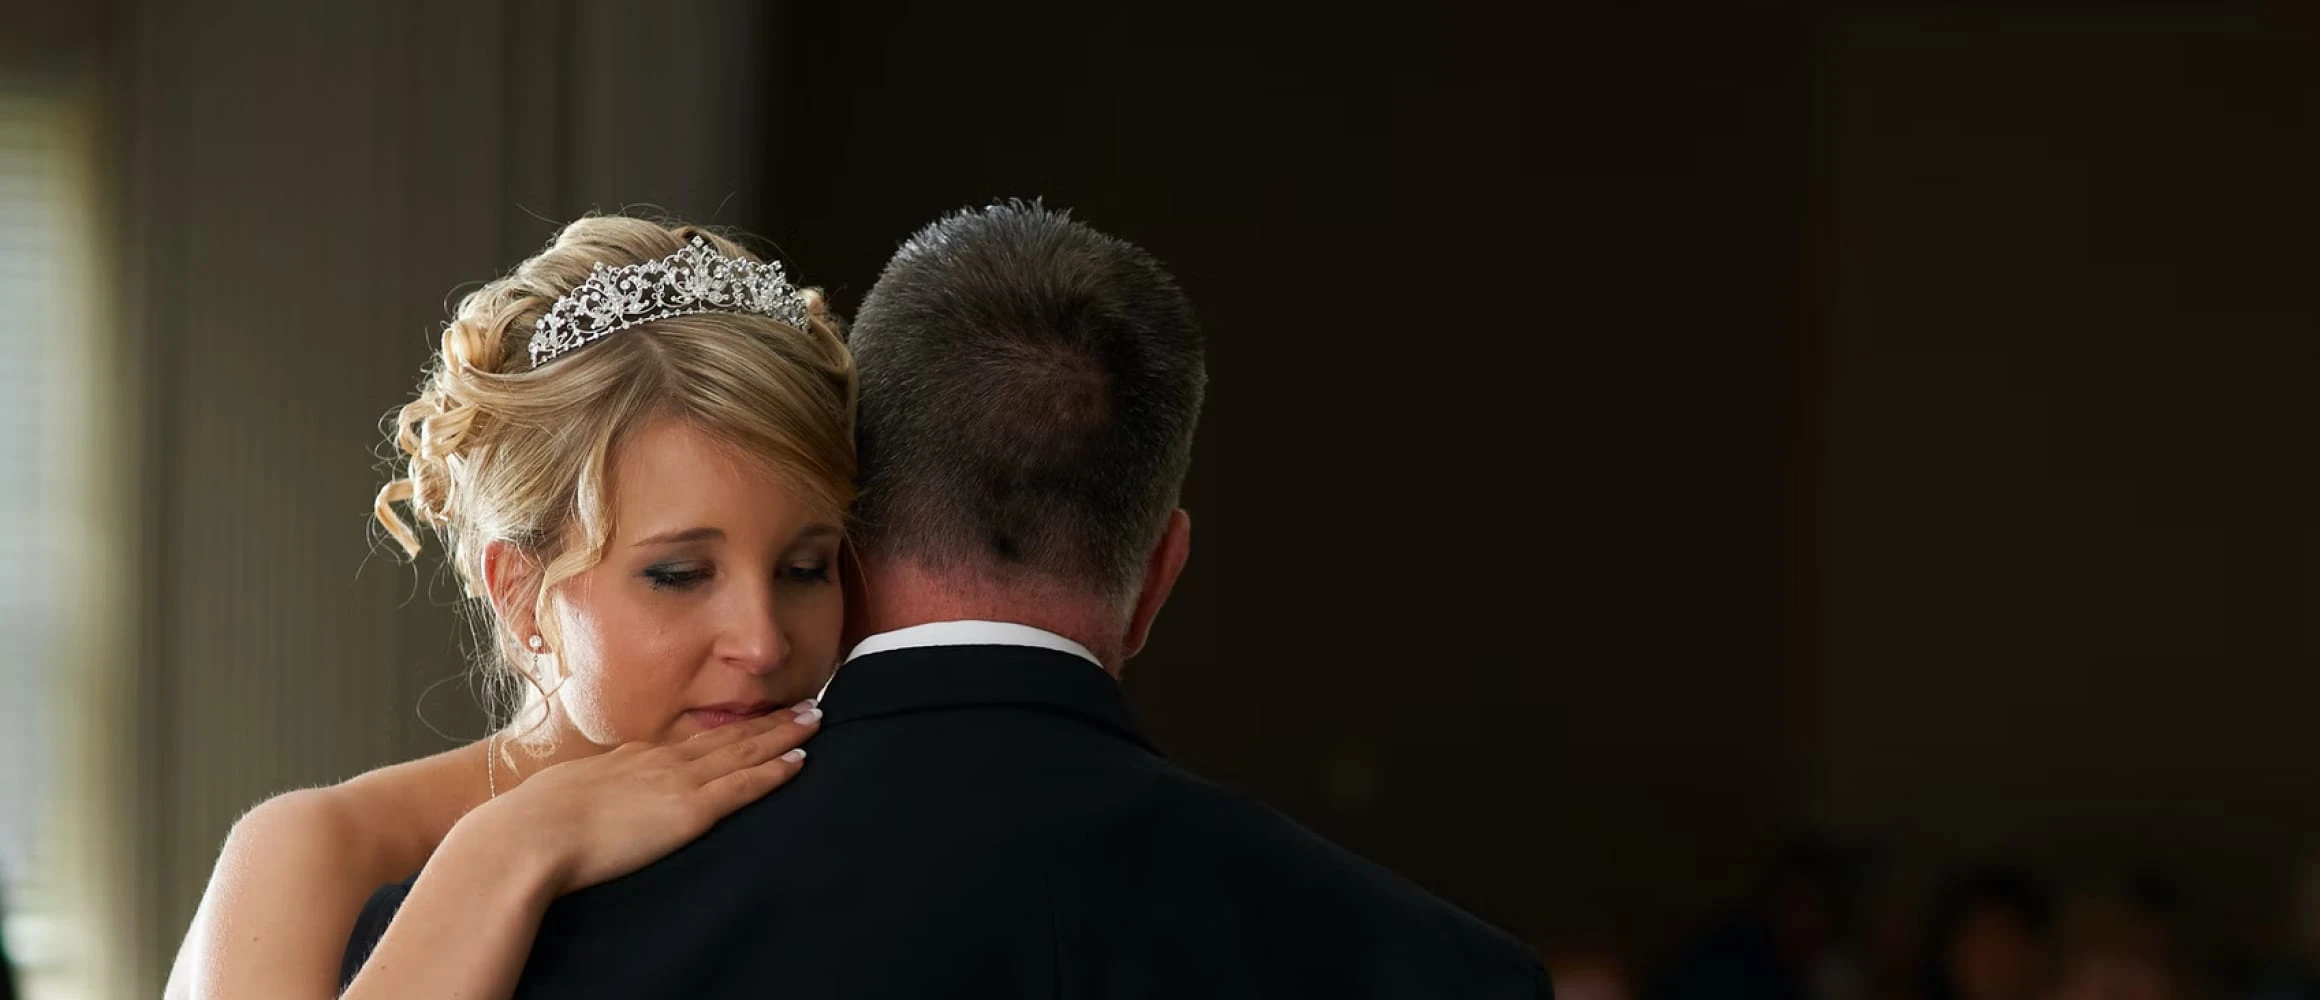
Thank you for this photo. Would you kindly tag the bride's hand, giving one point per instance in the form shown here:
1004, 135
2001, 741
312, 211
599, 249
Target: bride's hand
601, 817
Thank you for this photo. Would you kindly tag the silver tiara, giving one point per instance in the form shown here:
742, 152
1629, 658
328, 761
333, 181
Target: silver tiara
696, 279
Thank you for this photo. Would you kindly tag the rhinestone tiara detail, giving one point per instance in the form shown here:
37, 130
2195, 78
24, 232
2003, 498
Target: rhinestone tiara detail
696, 279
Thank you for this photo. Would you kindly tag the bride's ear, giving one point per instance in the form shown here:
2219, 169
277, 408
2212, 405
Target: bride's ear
511, 577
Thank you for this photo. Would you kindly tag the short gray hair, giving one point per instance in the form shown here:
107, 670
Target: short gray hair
1029, 392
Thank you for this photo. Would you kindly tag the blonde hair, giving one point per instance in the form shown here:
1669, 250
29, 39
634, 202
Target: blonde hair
494, 450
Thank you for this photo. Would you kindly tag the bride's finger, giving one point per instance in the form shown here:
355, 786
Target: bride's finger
795, 729
749, 784
702, 744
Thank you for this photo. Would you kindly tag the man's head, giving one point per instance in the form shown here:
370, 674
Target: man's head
1029, 391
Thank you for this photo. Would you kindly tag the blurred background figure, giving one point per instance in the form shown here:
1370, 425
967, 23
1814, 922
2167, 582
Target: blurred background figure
2128, 943
1793, 939
2291, 971
1591, 973
1989, 937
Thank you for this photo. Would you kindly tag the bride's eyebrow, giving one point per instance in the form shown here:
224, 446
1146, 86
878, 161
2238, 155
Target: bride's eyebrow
817, 530
682, 535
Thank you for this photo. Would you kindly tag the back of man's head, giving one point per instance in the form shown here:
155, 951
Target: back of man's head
1029, 390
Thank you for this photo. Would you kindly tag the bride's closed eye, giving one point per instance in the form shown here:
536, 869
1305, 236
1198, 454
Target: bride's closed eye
676, 576
817, 571
687, 577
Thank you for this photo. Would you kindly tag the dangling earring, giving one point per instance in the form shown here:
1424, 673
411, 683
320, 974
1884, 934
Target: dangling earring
538, 644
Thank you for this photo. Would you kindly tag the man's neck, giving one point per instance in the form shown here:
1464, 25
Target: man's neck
890, 596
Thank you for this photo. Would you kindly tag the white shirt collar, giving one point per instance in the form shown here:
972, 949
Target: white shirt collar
969, 633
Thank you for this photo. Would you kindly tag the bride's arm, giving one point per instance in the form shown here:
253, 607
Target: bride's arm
468, 923
288, 887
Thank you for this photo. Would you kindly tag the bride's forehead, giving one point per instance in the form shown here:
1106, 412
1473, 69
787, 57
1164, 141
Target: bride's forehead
671, 456
671, 471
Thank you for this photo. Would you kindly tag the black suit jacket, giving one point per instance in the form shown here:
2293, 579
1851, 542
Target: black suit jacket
984, 821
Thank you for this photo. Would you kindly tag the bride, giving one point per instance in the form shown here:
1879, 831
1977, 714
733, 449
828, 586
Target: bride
637, 451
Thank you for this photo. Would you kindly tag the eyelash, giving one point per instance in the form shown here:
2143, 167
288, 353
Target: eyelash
675, 579
663, 578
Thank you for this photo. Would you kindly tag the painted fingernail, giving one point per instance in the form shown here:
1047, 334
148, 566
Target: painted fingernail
795, 755
809, 715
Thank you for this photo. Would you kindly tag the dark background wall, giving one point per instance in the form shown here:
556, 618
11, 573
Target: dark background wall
2064, 270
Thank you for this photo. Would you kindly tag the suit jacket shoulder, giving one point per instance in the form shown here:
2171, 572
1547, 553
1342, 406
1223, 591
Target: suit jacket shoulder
1193, 885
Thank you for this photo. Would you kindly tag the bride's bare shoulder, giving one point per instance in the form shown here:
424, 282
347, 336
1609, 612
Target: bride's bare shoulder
296, 869
411, 805
378, 826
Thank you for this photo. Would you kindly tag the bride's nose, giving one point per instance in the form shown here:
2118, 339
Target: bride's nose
754, 639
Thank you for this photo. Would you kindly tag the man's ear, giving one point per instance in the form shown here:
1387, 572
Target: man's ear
1160, 571
511, 578
857, 591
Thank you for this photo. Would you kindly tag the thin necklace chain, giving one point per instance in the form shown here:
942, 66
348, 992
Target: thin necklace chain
491, 764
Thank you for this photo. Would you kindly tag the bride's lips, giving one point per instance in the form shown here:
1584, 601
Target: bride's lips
713, 716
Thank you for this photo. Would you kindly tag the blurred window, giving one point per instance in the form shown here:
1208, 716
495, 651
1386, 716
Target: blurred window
45, 331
